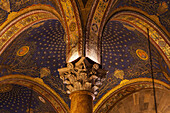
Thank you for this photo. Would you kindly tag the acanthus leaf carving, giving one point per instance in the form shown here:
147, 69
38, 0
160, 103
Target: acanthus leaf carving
82, 75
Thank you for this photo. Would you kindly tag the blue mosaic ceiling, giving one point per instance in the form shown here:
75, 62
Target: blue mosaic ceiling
38, 52
19, 99
160, 8
17, 5
125, 55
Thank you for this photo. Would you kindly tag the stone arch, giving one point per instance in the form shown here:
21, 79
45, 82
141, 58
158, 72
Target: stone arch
143, 101
121, 91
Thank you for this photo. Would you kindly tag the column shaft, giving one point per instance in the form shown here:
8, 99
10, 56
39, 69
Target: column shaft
81, 102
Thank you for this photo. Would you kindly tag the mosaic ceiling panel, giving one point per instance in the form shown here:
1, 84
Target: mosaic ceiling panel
8, 6
19, 99
160, 8
125, 54
38, 52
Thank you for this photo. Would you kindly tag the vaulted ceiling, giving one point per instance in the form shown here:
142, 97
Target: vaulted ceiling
38, 37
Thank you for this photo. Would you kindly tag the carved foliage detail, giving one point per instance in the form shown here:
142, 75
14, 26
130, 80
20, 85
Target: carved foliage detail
82, 76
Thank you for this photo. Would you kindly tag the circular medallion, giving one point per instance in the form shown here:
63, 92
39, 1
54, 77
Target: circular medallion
162, 43
5, 88
142, 54
23, 51
72, 26
96, 66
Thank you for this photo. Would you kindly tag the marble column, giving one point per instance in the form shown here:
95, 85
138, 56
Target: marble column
82, 78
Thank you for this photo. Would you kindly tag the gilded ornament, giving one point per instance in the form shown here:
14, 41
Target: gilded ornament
119, 74
41, 99
5, 5
5, 88
162, 43
23, 51
38, 25
131, 28
72, 26
142, 54
44, 72
163, 7
63, 0
94, 27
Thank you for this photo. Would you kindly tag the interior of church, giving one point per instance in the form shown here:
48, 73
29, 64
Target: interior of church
84, 56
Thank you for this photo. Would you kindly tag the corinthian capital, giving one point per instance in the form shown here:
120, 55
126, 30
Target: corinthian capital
82, 75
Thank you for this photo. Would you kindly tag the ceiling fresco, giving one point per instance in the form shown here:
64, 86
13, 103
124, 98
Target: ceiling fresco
65, 11
20, 99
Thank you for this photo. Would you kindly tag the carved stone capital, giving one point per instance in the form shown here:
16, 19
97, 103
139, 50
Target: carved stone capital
82, 75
